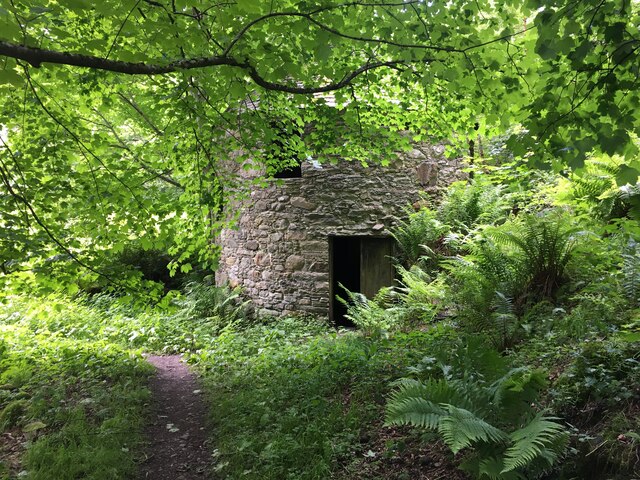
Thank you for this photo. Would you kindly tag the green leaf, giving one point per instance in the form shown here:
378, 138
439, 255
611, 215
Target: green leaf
249, 6
33, 426
11, 77
626, 175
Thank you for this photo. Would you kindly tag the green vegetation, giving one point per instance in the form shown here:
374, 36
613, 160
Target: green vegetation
77, 399
295, 399
508, 349
73, 379
126, 131
126, 127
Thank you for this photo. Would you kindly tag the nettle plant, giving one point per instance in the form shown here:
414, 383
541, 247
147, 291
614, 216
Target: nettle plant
484, 410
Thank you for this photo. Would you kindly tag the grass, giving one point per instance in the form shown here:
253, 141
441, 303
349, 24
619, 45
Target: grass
295, 400
74, 400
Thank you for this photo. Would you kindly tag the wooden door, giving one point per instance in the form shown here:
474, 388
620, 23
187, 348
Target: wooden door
376, 268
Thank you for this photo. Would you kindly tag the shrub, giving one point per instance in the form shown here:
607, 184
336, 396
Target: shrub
419, 297
218, 306
468, 204
517, 264
486, 410
420, 237
370, 316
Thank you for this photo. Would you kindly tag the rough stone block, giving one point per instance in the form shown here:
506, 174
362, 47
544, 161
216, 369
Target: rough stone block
294, 262
301, 202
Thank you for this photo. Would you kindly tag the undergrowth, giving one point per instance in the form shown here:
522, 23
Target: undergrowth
295, 400
74, 400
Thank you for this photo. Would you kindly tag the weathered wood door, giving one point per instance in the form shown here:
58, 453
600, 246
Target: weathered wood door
376, 269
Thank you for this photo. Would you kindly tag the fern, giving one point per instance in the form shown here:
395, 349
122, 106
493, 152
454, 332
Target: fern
437, 392
417, 412
505, 322
461, 428
486, 411
631, 273
493, 468
533, 441
370, 316
420, 296
418, 237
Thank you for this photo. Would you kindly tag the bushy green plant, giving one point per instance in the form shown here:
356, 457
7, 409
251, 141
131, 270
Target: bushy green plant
511, 266
420, 237
474, 202
541, 246
215, 304
603, 373
596, 188
419, 297
293, 399
485, 410
372, 316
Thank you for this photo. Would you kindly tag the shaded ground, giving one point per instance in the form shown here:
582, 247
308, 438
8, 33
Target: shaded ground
177, 437
394, 453
12, 446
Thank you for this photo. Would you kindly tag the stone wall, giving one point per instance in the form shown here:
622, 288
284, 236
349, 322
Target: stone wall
279, 250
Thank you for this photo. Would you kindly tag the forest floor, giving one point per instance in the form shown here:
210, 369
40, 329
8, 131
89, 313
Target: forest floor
177, 436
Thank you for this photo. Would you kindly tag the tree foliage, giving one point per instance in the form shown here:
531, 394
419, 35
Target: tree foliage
132, 121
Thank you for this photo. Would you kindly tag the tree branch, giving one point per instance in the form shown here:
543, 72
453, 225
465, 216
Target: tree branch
38, 56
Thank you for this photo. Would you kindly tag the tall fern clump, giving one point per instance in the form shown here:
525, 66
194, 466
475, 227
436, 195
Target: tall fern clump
511, 266
468, 204
542, 246
485, 411
419, 238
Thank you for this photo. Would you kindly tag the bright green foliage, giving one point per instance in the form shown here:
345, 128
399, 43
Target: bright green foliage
212, 305
78, 399
485, 410
429, 235
603, 191
512, 265
143, 134
293, 400
420, 296
371, 316
542, 247
420, 238
468, 204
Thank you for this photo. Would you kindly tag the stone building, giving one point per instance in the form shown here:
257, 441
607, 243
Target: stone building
299, 238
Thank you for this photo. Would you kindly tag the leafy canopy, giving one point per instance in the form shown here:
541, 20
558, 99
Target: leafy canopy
132, 121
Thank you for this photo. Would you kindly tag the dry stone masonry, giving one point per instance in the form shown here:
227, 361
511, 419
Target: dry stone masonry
279, 249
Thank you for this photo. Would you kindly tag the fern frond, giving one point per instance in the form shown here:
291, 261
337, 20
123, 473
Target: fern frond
533, 441
436, 391
493, 467
461, 428
409, 404
631, 273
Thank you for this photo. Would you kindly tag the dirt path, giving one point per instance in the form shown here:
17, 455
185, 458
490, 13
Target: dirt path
177, 449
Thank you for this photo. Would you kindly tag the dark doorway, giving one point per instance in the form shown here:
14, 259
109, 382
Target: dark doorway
345, 270
361, 264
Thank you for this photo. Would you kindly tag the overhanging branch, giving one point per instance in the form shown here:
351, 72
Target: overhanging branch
38, 56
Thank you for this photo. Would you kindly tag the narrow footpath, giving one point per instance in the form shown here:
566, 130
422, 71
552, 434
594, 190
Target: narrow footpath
177, 438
